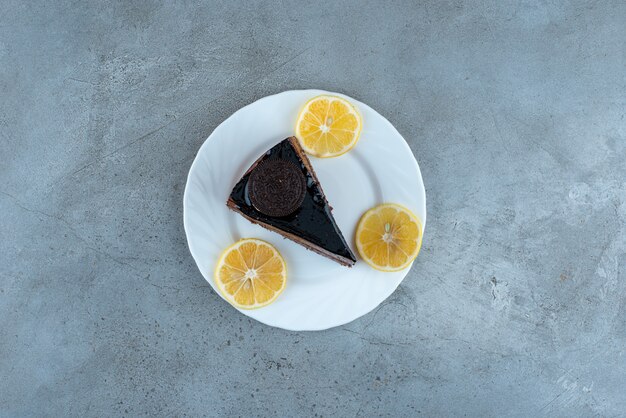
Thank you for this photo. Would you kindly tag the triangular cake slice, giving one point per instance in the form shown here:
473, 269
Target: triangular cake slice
281, 192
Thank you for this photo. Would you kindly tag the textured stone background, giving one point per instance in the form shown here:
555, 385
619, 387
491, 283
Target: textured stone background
514, 110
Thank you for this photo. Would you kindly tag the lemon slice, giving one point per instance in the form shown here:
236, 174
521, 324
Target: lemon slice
328, 126
389, 237
251, 273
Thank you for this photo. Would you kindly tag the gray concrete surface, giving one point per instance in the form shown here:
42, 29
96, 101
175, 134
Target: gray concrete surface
514, 110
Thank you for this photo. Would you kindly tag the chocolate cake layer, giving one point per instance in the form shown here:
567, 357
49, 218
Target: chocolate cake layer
311, 224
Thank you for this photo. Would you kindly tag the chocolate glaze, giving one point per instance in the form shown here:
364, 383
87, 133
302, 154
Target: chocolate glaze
312, 220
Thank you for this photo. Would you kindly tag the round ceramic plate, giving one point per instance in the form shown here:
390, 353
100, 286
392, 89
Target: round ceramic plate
320, 293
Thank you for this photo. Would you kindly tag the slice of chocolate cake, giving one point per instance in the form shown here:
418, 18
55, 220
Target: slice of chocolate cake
281, 192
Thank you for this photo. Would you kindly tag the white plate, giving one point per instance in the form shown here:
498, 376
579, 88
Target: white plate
320, 293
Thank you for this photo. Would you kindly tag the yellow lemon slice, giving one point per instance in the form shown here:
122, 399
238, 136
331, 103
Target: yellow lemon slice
251, 273
389, 237
328, 126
